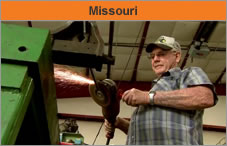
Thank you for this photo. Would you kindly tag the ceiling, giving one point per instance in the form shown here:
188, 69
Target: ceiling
128, 35
131, 37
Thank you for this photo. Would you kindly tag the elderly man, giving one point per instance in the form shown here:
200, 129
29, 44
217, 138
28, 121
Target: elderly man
171, 112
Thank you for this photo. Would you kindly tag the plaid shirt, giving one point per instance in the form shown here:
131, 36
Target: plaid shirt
163, 125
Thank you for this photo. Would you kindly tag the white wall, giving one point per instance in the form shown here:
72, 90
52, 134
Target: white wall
212, 138
217, 114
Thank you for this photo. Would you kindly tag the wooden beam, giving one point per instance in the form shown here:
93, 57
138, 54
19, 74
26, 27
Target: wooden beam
101, 119
147, 23
220, 77
67, 90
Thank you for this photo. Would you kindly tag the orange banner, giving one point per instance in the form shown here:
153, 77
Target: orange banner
113, 10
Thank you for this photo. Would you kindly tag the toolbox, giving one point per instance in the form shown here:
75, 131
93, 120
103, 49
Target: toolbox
73, 138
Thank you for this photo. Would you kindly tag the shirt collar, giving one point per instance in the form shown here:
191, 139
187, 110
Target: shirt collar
173, 72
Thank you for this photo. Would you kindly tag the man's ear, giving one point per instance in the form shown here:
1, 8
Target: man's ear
178, 57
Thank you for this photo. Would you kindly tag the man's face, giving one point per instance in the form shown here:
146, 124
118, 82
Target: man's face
163, 60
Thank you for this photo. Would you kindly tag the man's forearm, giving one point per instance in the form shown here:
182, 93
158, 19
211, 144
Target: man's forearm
122, 124
193, 98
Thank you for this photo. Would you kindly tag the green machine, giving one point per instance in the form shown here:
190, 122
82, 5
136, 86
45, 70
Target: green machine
28, 94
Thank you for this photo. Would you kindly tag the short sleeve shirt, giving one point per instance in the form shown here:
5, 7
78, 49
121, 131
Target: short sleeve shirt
152, 124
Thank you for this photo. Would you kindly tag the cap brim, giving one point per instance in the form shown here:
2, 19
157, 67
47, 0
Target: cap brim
151, 46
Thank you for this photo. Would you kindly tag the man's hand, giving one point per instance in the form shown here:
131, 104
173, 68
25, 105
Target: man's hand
135, 97
109, 128
120, 123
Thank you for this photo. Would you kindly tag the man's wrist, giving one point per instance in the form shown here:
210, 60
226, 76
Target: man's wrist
151, 95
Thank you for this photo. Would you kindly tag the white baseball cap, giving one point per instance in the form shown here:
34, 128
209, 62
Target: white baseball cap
166, 43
